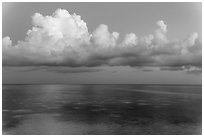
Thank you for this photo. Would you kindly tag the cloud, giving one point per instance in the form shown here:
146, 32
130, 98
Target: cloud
194, 70
54, 69
162, 25
6, 42
130, 39
187, 69
172, 68
60, 25
160, 33
63, 39
103, 38
72, 70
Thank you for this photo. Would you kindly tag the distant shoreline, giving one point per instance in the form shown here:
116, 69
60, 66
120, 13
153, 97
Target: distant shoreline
101, 84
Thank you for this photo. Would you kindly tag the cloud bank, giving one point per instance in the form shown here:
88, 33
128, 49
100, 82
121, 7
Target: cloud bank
63, 39
54, 69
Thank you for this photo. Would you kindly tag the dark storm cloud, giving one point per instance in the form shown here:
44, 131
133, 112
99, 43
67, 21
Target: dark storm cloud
63, 40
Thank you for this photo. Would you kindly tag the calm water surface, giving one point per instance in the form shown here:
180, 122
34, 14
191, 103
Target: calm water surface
102, 109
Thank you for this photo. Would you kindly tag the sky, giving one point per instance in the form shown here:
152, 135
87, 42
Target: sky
102, 43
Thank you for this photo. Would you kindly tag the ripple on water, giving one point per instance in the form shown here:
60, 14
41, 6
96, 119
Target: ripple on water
143, 104
18, 116
80, 103
99, 109
76, 108
131, 107
141, 100
126, 102
22, 111
115, 115
165, 104
5, 110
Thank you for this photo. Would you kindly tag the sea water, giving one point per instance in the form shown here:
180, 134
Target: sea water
101, 109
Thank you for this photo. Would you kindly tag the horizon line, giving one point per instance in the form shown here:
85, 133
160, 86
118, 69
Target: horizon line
92, 84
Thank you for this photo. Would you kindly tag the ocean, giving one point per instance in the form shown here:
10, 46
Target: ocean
101, 109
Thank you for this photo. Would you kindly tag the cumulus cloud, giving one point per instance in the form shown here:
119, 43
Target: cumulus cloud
6, 42
131, 39
160, 33
63, 39
103, 38
162, 25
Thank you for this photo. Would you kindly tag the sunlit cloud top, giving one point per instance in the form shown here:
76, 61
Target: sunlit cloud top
63, 39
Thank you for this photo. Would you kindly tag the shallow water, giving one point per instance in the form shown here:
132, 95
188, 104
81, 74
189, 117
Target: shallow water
102, 109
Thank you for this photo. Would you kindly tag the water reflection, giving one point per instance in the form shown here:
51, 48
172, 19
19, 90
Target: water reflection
100, 109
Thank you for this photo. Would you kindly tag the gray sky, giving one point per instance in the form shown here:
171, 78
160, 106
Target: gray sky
174, 26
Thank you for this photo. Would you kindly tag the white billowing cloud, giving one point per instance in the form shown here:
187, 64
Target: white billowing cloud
6, 41
57, 32
60, 25
193, 38
131, 39
160, 33
62, 39
147, 40
191, 44
102, 37
162, 25
50, 40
